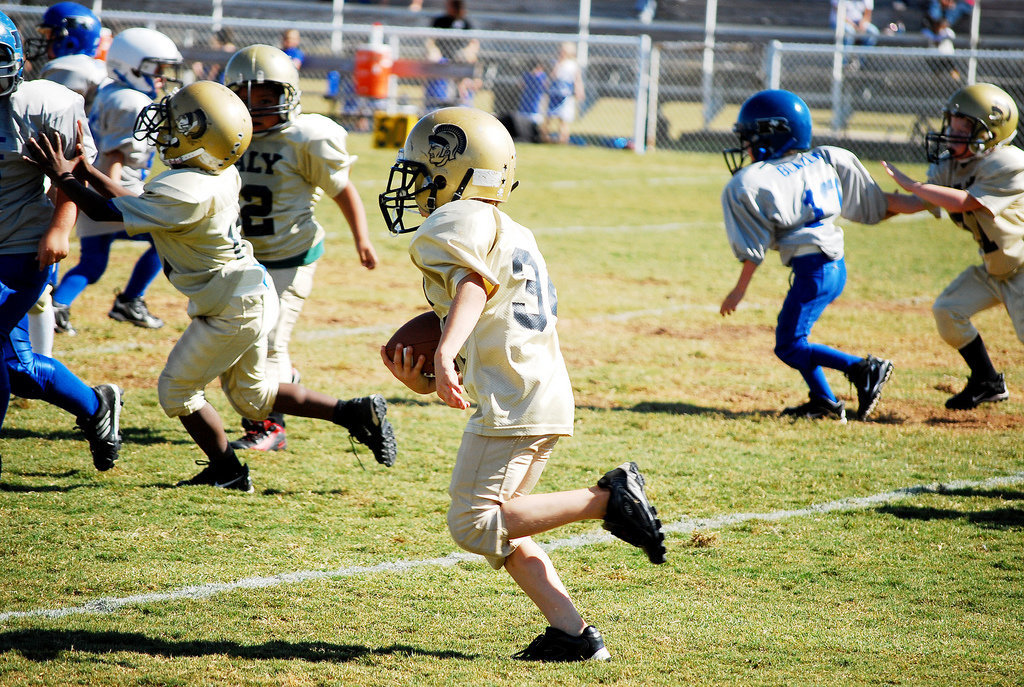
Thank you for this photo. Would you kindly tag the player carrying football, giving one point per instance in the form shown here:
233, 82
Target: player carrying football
978, 179
292, 161
486, 279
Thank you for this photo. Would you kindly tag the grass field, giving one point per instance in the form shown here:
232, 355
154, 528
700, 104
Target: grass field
336, 571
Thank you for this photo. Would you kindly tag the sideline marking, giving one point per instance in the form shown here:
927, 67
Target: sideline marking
203, 591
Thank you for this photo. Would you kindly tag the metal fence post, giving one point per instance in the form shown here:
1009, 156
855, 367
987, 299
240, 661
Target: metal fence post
708, 63
652, 96
773, 65
643, 85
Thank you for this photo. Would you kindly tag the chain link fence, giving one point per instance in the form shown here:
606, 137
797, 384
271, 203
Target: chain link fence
684, 96
877, 101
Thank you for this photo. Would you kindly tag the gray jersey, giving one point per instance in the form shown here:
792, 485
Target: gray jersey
794, 202
36, 106
81, 73
112, 120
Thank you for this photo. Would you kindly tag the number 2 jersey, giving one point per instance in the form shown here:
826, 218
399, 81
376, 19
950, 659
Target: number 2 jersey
794, 202
512, 364
284, 174
996, 180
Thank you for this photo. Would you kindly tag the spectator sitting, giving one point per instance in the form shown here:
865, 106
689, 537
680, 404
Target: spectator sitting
858, 29
940, 19
223, 41
529, 115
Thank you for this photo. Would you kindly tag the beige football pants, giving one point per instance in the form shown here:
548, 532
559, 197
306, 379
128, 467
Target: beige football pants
232, 346
293, 284
971, 292
488, 472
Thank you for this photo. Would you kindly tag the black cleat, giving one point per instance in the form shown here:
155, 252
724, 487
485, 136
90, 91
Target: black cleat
869, 376
629, 516
220, 477
979, 391
103, 428
261, 435
372, 429
817, 409
556, 646
62, 319
134, 310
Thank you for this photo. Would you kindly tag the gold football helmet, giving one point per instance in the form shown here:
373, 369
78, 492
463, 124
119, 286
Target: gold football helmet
203, 125
265, 64
993, 113
451, 154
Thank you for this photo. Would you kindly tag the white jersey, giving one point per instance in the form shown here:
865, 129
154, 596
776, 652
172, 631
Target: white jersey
996, 180
794, 202
191, 215
112, 121
36, 106
81, 73
285, 173
512, 365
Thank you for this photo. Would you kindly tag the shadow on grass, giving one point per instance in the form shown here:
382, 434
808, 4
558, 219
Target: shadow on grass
45, 488
139, 436
998, 518
691, 409
48, 645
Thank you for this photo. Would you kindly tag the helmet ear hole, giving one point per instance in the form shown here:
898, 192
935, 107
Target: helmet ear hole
440, 182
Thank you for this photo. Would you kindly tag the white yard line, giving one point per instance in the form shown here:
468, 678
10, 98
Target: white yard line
203, 591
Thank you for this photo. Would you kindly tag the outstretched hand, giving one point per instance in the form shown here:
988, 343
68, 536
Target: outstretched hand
904, 181
48, 154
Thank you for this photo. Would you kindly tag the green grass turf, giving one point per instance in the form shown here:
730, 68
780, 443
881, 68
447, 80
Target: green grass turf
922, 590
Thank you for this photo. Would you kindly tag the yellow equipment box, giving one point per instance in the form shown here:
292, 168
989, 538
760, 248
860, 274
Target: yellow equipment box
391, 130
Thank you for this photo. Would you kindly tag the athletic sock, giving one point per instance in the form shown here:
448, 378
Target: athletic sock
976, 356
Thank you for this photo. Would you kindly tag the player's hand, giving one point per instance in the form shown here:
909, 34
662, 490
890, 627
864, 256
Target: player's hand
406, 370
731, 302
47, 152
367, 256
449, 384
901, 179
53, 247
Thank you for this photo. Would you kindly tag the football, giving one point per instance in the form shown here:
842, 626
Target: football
423, 333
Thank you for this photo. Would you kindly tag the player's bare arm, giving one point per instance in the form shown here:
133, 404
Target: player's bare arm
351, 205
468, 305
949, 199
731, 301
46, 152
905, 204
55, 243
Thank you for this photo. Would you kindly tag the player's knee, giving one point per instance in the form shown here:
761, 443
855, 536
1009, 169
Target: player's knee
954, 328
478, 530
177, 399
794, 353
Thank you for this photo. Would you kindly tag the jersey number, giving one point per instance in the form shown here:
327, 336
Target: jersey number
539, 287
255, 213
827, 188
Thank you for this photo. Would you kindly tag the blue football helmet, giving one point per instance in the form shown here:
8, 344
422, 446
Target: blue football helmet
772, 123
12, 56
67, 28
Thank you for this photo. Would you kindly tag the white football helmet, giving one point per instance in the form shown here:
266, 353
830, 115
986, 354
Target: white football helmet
143, 59
451, 154
203, 125
265, 64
